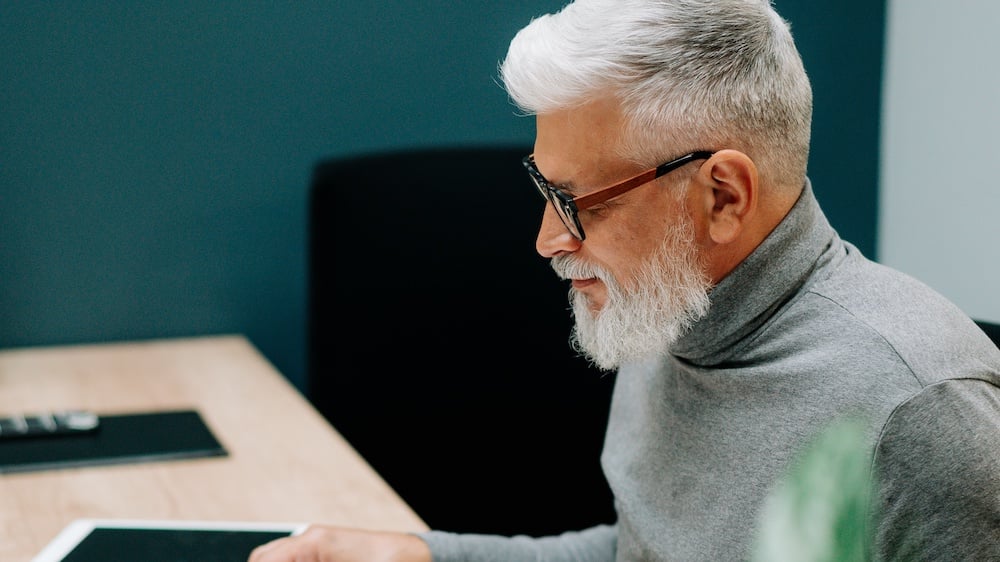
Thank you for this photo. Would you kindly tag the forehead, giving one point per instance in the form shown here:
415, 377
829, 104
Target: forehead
579, 146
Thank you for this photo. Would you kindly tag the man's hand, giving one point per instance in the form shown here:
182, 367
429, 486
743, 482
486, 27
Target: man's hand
321, 543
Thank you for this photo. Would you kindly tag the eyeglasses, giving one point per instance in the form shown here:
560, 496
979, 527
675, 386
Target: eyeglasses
568, 207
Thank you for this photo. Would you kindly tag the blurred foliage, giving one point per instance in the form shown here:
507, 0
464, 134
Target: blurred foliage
819, 512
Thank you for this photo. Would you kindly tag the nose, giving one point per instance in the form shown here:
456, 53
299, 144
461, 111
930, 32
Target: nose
553, 236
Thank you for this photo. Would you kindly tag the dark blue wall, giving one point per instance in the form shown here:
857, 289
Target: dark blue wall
842, 47
155, 157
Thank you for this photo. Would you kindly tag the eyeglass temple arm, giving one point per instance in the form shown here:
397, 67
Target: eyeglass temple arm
596, 197
585, 201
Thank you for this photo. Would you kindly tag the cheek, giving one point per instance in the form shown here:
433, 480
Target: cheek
650, 230
625, 240
624, 257
645, 232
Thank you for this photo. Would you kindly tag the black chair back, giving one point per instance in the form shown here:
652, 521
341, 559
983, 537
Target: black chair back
438, 341
992, 330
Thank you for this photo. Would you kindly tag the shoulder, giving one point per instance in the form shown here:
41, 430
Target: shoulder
937, 468
945, 419
869, 304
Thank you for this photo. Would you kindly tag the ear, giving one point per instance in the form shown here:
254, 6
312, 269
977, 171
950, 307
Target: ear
732, 189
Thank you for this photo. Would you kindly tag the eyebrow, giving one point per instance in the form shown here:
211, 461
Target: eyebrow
569, 187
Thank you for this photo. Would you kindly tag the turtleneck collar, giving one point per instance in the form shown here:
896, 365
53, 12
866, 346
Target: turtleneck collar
761, 283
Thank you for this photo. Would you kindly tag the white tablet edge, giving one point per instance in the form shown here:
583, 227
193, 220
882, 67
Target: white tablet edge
78, 529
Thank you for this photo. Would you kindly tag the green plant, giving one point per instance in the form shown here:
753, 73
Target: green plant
819, 512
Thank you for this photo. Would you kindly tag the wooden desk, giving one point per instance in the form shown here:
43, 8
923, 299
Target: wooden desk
285, 463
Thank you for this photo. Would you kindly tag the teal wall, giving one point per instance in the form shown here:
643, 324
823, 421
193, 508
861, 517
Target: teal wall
155, 157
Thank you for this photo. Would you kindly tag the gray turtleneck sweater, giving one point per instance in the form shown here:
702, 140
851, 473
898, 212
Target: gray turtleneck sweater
802, 333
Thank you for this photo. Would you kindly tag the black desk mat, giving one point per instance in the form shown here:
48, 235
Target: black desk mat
120, 439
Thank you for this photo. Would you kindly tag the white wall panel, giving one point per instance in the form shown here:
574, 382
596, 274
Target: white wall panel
939, 213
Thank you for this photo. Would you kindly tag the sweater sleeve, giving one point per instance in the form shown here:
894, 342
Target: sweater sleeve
596, 544
938, 467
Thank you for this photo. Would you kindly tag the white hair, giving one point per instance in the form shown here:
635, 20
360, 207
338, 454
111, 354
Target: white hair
689, 75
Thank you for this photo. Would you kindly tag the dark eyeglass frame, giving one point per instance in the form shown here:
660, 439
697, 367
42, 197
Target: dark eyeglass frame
569, 207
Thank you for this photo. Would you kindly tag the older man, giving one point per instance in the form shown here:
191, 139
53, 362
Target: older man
671, 150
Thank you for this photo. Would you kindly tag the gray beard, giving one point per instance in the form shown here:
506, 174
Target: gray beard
668, 294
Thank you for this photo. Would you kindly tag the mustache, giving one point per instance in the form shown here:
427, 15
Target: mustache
570, 267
